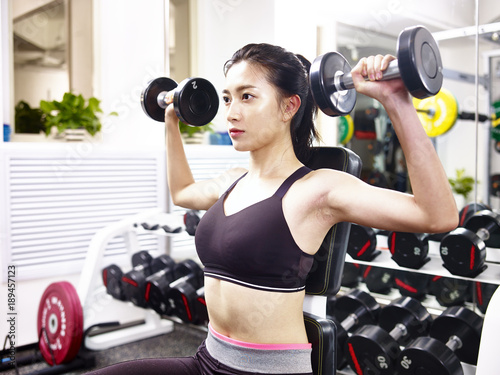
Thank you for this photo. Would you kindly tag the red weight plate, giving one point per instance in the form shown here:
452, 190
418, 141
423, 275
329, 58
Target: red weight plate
60, 323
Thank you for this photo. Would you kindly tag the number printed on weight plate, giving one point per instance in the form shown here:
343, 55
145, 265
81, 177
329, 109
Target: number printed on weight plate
194, 85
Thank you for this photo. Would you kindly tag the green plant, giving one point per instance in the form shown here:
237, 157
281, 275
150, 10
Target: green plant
461, 184
191, 130
27, 119
73, 112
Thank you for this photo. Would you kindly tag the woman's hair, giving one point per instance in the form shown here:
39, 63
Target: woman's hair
289, 74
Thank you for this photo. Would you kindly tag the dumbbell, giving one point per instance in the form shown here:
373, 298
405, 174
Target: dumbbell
362, 243
409, 249
375, 349
159, 285
454, 337
450, 291
195, 100
463, 250
186, 295
191, 220
418, 64
351, 275
353, 309
412, 284
112, 274
378, 279
134, 281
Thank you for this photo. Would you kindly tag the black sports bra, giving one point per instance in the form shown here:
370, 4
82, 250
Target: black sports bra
253, 247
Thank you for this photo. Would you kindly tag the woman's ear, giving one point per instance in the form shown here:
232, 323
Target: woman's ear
292, 105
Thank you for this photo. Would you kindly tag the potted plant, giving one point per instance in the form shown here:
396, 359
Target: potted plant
72, 112
461, 186
27, 119
193, 134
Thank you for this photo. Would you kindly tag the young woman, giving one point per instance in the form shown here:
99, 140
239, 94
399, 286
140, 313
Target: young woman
269, 220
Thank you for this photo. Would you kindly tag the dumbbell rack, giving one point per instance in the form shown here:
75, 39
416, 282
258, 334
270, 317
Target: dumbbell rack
96, 302
491, 327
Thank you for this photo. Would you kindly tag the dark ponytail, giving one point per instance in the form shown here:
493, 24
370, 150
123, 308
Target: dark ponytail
289, 74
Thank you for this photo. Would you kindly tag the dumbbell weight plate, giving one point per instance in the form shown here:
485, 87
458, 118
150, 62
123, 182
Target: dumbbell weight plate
463, 253
60, 323
196, 101
415, 360
449, 291
419, 62
411, 284
112, 280
409, 249
362, 243
149, 97
322, 75
465, 324
378, 279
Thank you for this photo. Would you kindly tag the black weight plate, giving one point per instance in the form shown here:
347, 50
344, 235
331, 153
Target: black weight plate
357, 302
409, 249
486, 219
362, 243
411, 284
428, 356
149, 97
409, 312
450, 291
470, 209
372, 350
463, 323
378, 279
112, 279
322, 75
463, 253
183, 298
419, 62
156, 294
351, 275
196, 101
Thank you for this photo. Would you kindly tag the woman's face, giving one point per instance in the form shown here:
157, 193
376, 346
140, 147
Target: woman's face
253, 111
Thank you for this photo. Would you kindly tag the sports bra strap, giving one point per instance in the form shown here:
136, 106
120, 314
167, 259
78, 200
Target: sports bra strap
298, 174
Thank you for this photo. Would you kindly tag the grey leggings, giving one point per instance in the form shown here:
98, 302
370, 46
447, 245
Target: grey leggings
243, 361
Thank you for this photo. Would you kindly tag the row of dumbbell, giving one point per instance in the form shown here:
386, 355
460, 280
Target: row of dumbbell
462, 250
402, 337
169, 288
447, 291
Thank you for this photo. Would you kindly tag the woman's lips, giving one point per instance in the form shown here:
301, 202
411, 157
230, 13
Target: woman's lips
235, 132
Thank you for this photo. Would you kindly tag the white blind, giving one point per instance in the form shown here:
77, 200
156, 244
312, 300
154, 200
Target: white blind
54, 205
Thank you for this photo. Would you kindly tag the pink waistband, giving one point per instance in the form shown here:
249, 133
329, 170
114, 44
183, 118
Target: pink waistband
258, 346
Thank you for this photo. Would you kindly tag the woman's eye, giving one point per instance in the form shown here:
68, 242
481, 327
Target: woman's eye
247, 96
226, 99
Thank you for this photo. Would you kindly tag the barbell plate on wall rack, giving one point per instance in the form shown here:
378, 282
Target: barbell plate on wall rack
60, 323
149, 97
419, 62
438, 113
322, 75
346, 129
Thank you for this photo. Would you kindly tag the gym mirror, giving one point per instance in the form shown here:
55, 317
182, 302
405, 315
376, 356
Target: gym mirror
40, 50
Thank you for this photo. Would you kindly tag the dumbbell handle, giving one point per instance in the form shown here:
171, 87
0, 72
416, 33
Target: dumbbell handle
164, 98
349, 322
454, 343
345, 82
398, 331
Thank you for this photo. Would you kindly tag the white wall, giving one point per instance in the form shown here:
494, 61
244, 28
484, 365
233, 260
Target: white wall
129, 52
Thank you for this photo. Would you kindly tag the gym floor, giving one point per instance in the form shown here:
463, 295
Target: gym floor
181, 342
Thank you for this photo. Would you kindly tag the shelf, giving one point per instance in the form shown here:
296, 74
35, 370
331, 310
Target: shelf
435, 265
